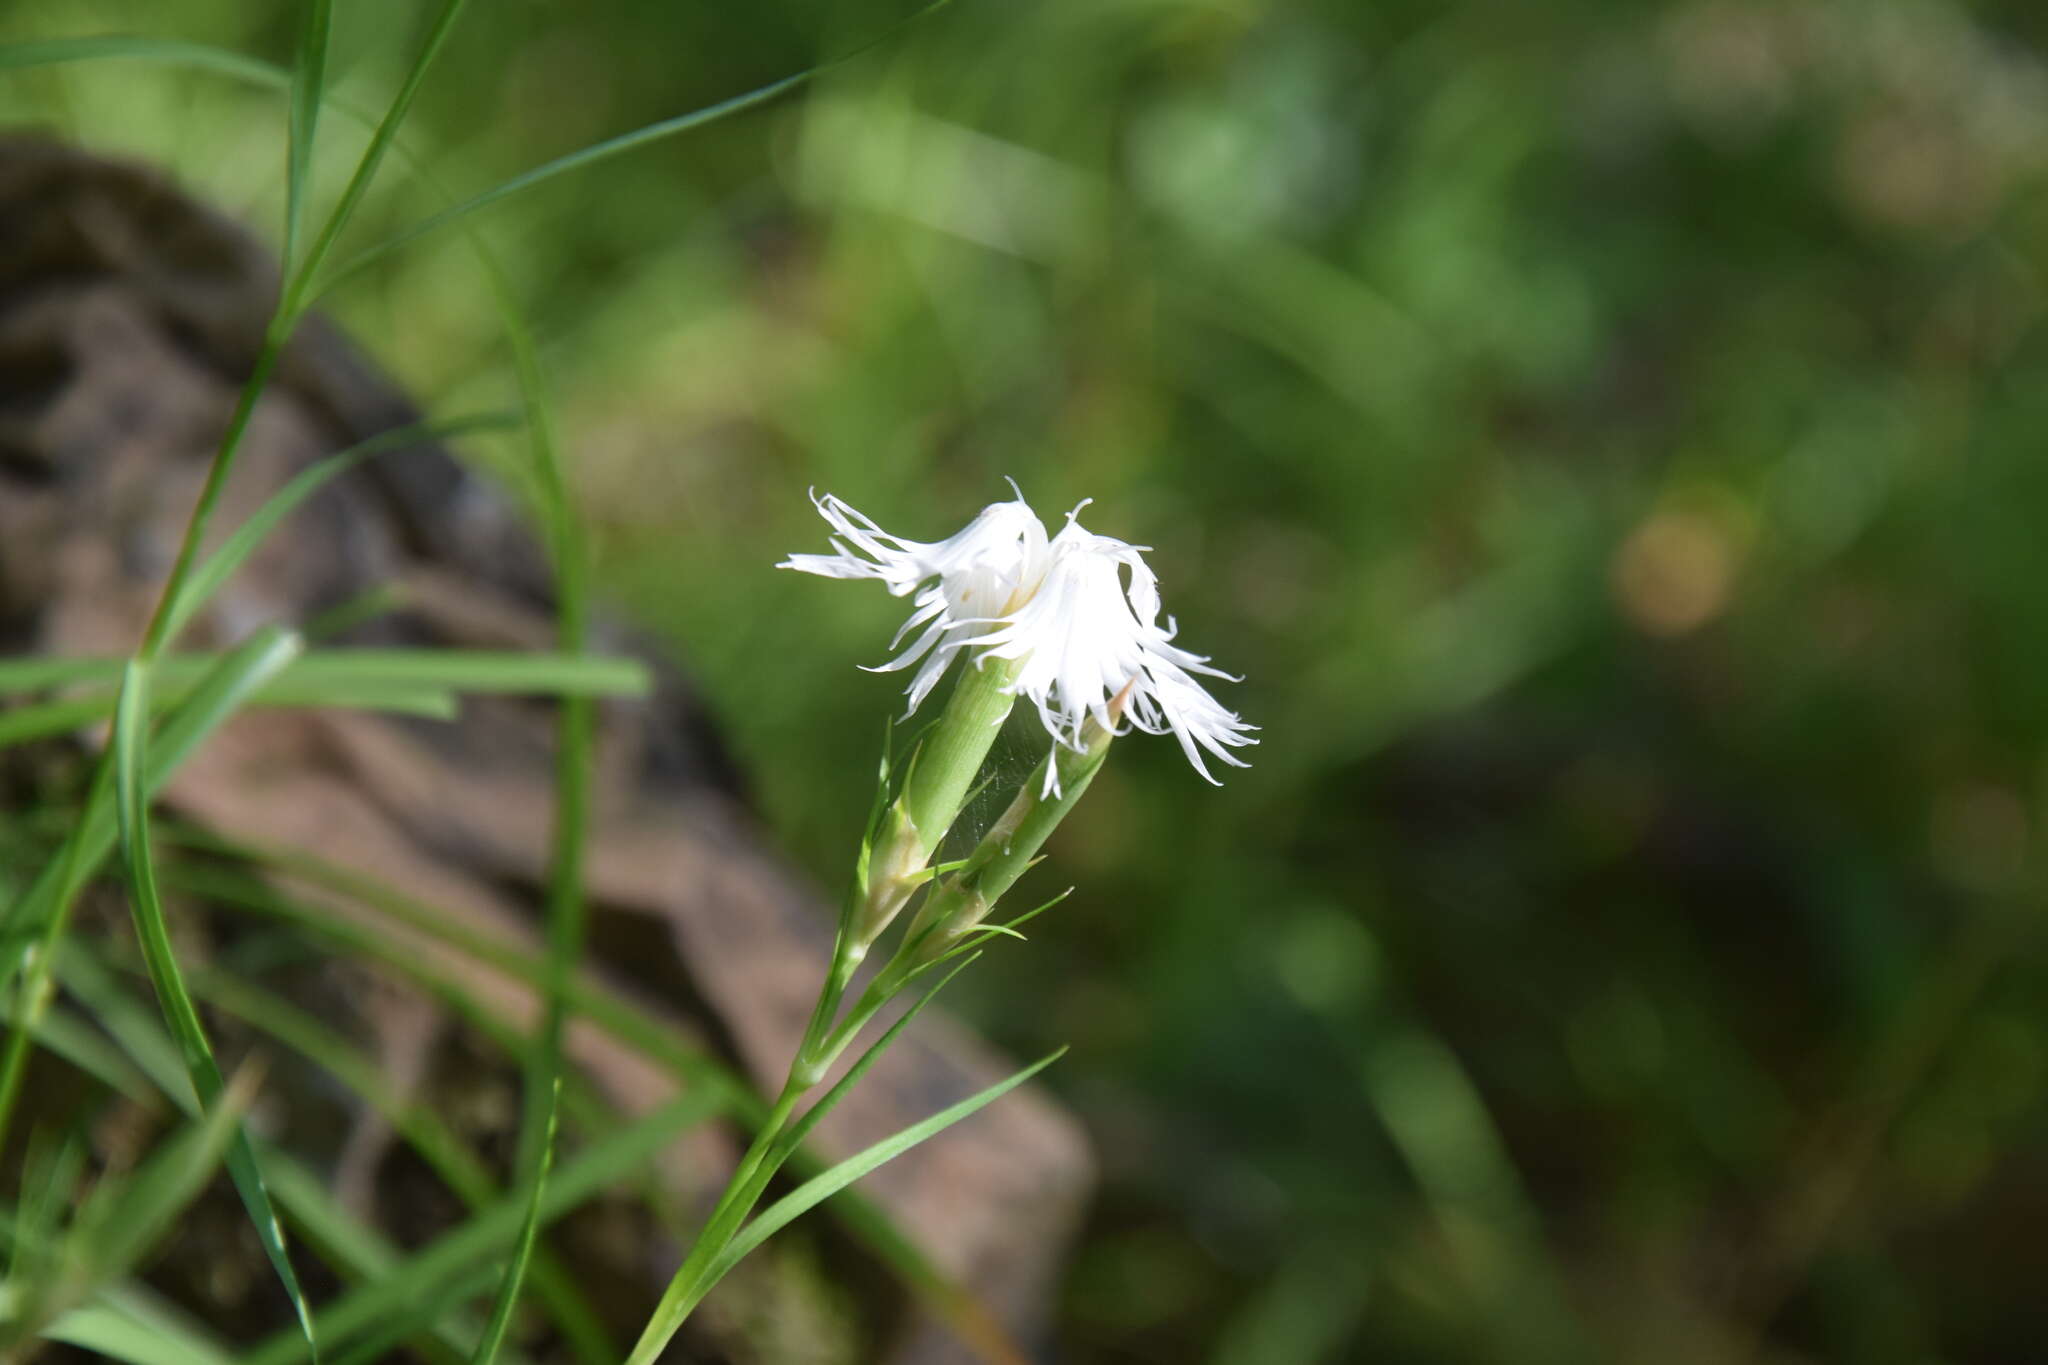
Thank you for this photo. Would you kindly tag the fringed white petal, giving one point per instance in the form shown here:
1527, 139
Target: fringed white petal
1079, 614
961, 582
1091, 633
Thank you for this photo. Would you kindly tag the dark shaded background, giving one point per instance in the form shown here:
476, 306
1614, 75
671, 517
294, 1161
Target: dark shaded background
1609, 438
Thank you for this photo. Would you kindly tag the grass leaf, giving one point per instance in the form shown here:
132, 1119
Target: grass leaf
436, 670
836, 1178
52, 719
355, 1251
422, 1128
209, 577
522, 1252
611, 147
620, 1016
297, 294
120, 47
671, 1312
116, 1335
132, 790
123, 1219
34, 925
309, 83
424, 1275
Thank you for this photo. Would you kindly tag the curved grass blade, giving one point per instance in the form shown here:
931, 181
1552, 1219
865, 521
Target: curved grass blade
626, 1020
64, 1034
309, 83
225, 688
611, 147
114, 1334
209, 577
38, 917
352, 1249
132, 787
421, 1127
120, 47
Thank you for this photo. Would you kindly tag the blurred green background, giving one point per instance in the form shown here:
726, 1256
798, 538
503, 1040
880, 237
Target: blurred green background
1610, 440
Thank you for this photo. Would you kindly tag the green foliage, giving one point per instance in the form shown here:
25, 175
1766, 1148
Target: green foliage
1604, 436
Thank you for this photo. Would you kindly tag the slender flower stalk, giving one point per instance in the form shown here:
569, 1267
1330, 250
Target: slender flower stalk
1070, 623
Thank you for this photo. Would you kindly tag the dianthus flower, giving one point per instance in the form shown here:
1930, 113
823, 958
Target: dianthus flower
1076, 616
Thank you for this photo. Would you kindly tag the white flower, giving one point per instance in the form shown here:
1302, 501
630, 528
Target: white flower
1078, 616
969, 579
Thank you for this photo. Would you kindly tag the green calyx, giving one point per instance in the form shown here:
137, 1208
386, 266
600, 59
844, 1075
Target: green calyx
953, 751
961, 903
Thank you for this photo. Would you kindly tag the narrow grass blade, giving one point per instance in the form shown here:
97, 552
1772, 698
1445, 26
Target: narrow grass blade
617, 1015
49, 719
297, 294
47, 1185
362, 1255
670, 1315
436, 670
568, 674
561, 165
575, 758
132, 787
119, 47
418, 1124
611, 147
757, 1167
423, 1275
122, 1220
125, 1214
522, 1252
64, 1034
375, 1346
355, 1251
426, 703
34, 675
223, 690
829, 1182
52, 719
208, 578
309, 85
107, 1331
623, 1018
35, 923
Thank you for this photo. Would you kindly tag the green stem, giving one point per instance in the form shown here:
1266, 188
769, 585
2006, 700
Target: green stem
933, 794
742, 1192
36, 987
161, 620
